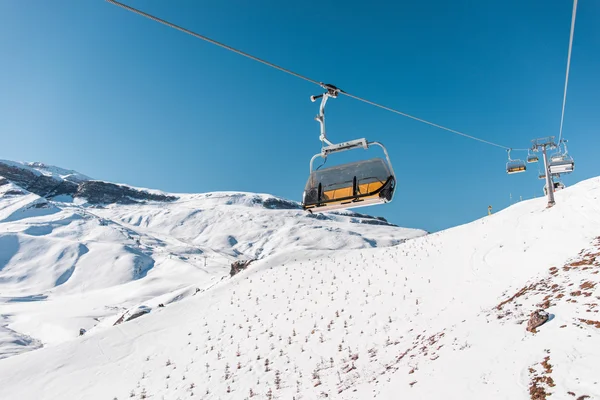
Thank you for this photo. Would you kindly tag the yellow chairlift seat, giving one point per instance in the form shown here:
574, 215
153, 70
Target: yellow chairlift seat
514, 167
351, 185
532, 158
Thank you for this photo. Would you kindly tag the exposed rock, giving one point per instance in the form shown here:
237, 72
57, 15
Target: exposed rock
537, 319
277, 204
238, 266
98, 192
141, 310
138, 314
319, 216
42, 185
371, 221
13, 192
48, 181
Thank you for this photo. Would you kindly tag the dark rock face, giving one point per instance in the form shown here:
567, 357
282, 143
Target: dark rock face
370, 221
319, 216
137, 314
359, 215
277, 204
95, 192
143, 310
239, 266
3, 181
98, 192
41, 185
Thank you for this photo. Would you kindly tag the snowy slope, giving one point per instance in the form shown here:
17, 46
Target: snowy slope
439, 316
18, 203
70, 265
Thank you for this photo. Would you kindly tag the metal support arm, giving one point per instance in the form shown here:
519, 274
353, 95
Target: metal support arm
332, 91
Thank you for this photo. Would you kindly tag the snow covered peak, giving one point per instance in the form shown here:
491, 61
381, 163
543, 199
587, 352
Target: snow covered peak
64, 174
51, 171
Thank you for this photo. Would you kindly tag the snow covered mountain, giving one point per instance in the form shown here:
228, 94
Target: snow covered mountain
331, 308
84, 258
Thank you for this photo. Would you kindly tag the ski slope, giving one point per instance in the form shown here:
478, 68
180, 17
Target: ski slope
66, 266
438, 316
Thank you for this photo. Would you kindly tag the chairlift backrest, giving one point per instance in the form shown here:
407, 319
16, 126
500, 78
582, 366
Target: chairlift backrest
561, 167
350, 185
515, 166
335, 177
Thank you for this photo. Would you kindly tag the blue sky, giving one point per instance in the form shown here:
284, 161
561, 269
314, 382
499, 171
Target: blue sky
88, 86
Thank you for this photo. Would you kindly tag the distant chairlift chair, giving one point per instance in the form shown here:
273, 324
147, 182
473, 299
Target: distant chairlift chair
531, 157
561, 163
514, 166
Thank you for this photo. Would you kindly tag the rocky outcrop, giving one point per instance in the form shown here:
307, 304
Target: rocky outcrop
29, 177
371, 221
239, 266
133, 314
537, 318
42, 185
277, 204
99, 192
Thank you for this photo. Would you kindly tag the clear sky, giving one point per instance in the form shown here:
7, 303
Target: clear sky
88, 86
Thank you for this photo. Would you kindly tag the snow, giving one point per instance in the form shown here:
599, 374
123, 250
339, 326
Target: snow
65, 266
339, 308
52, 171
64, 174
17, 203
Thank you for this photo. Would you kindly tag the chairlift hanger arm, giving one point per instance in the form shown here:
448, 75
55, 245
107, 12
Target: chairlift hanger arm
333, 92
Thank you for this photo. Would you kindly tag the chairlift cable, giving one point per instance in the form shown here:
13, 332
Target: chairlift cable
562, 115
427, 122
162, 21
184, 30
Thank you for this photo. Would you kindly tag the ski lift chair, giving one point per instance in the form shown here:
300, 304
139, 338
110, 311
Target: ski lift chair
564, 166
561, 163
350, 185
515, 166
532, 158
